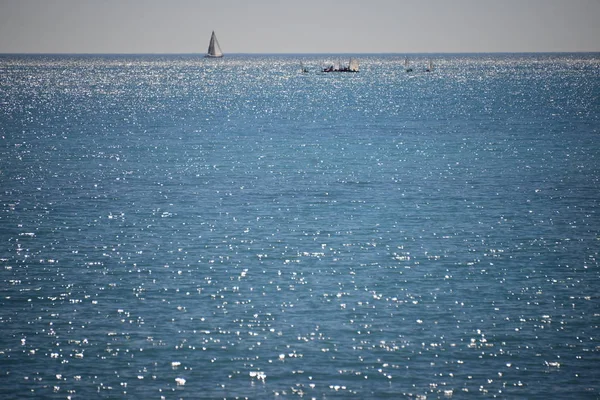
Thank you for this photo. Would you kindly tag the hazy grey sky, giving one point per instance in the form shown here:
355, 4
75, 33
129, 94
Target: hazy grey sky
298, 26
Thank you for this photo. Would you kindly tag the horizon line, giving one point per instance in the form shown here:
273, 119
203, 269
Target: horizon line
312, 53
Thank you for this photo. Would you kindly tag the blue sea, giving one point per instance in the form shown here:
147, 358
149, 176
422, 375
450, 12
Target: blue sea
179, 227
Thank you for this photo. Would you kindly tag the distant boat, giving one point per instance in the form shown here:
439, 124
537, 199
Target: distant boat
429, 67
303, 68
407, 67
214, 50
352, 67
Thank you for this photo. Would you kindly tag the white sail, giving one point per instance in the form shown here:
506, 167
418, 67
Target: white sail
353, 65
214, 49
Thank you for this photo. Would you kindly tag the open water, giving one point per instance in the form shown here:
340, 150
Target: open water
175, 227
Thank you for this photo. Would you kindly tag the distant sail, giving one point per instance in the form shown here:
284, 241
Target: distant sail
214, 49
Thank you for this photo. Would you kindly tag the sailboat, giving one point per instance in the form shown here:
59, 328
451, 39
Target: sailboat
214, 50
407, 67
352, 67
429, 67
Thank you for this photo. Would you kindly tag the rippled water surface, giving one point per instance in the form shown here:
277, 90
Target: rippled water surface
175, 227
